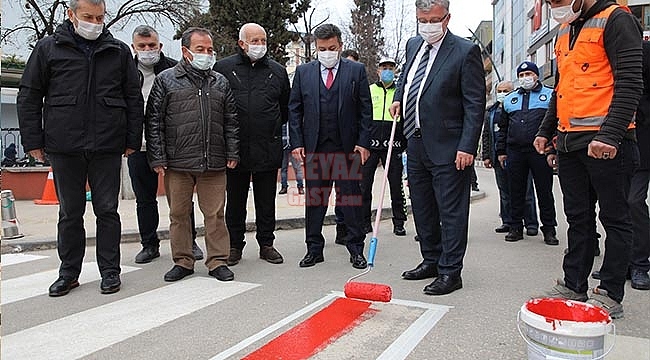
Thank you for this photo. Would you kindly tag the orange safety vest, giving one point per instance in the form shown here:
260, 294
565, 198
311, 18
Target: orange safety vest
586, 87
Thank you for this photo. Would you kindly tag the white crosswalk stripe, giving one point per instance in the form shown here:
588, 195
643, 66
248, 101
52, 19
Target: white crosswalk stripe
102, 326
24, 287
12, 259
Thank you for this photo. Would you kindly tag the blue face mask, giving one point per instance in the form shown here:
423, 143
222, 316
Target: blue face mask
387, 76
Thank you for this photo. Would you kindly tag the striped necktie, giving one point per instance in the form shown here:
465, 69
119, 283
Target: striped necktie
414, 89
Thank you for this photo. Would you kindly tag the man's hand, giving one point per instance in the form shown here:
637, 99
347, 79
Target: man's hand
600, 150
541, 145
128, 152
363, 152
299, 154
231, 164
395, 109
160, 170
551, 160
502, 160
463, 160
487, 163
38, 154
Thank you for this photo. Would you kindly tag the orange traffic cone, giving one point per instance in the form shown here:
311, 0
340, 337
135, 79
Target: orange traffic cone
49, 193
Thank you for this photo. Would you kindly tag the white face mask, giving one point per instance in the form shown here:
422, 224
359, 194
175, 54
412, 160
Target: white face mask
565, 14
256, 52
501, 96
88, 30
328, 58
432, 33
202, 61
148, 58
527, 82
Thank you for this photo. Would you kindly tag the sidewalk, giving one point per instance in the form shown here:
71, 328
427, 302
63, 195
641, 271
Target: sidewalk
38, 222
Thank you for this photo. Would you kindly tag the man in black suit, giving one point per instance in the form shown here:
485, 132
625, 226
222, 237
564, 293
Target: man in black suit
441, 100
329, 122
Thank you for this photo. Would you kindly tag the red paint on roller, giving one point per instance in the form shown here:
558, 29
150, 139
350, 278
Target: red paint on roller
313, 334
567, 310
368, 291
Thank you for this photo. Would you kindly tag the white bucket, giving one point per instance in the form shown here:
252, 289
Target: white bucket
557, 329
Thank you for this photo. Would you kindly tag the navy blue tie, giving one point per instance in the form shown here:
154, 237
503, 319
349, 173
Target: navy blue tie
411, 99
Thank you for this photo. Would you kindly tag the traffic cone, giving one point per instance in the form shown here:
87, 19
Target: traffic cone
49, 193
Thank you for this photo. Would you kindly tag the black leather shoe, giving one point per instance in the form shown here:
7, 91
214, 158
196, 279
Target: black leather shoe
234, 257
595, 275
283, 190
311, 260
196, 251
62, 286
178, 272
422, 271
514, 235
640, 279
416, 238
222, 273
146, 255
341, 234
358, 261
399, 230
110, 283
550, 239
502, 229
532, 231
444, 284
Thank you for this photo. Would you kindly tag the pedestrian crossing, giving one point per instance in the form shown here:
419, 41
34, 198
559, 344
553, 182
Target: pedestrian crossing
89, 331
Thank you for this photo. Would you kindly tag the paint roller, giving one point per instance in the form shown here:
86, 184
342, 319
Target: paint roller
373, 291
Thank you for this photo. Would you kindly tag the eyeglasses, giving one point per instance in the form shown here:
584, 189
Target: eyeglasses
434, 20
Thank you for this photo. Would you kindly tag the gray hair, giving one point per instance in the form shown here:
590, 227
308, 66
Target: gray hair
144, 31
427, 4
327, 31
242, 30
186, 38
504, 82
74, 4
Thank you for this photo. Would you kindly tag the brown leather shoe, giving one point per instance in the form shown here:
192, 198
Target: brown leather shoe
270, 254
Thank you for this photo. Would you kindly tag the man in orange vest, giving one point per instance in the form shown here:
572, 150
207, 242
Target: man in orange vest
598, 86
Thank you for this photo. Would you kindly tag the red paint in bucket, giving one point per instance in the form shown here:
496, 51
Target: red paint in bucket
567, 310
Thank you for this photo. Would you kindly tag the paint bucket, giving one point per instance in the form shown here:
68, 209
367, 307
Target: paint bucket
557, 329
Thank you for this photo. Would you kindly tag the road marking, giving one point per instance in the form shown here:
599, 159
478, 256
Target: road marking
409, 339
24, 287
83, 333
12, 259
269, 330
316, 332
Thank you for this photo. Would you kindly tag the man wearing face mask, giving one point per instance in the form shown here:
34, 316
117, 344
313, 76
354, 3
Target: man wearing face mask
80, 101
523, 111
329, 118
489, 140
150, 61
261, 89
441, 101
597, 89
192, 137
382, 93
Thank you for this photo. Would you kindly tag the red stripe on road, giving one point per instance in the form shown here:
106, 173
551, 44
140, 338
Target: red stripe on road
315, 333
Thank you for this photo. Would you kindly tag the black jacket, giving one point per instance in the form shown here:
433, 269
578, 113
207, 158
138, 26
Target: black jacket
191, 120
79, 95
262, 95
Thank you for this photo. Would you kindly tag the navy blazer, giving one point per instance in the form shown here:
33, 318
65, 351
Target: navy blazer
452, 102
355, 106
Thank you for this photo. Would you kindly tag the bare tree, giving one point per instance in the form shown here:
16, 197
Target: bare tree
40, 18
367, 35
399, 26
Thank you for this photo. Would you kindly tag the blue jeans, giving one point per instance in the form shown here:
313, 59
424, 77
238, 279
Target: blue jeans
297, 168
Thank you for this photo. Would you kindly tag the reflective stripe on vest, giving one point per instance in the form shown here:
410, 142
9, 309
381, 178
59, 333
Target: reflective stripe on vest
586, 87
380, 104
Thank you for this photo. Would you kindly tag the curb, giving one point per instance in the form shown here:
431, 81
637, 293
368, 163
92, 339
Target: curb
34, 243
